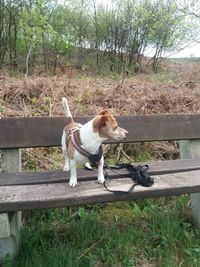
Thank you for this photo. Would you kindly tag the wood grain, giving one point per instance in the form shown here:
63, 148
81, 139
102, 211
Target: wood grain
25, 197
47, 131
58, 176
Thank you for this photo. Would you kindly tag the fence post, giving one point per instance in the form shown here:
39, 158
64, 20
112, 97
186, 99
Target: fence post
191, 149
10, 223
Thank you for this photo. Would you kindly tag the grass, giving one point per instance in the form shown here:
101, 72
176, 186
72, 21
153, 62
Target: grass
164, 77
185, 60
141, 233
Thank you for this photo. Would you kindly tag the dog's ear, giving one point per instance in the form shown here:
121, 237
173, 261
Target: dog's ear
103, 120
104, 113
100, 122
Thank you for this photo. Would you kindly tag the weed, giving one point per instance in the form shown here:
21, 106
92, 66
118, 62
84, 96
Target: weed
119, 234
79, 105
194, 255
2, 109
164, 77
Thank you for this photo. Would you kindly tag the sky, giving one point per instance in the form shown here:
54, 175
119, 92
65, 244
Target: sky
192, 50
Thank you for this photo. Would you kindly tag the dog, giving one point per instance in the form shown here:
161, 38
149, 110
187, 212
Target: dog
89, 137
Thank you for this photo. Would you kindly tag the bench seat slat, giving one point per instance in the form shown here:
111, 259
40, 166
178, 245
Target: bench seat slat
18, 197
47, 131
157, 167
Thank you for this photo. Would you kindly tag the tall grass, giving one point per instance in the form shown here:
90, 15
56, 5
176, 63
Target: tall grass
141, 233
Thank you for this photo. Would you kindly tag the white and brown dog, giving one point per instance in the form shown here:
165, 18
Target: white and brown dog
90, 137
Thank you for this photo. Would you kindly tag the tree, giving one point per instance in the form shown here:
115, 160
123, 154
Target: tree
36, 29
39, 31
168, 30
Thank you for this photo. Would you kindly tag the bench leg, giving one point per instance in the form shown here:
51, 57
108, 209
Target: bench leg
191, 149
10, 223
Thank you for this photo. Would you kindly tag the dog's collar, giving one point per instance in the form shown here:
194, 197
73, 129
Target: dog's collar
75, 138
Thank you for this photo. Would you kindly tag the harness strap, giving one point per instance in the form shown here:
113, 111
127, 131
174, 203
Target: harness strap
75, 138
73, 133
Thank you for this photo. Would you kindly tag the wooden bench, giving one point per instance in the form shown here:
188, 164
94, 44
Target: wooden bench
23, 190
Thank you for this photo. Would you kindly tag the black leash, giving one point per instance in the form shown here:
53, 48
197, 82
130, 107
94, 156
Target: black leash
138, 174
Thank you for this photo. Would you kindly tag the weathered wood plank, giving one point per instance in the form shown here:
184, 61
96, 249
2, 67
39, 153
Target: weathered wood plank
10, 238
26, 197
191, 149
47, 131
58, 176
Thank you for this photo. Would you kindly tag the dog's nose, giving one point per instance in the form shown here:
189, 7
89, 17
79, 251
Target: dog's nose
125, 132
124, 135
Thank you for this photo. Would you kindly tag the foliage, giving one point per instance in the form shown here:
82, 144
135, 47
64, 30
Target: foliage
56, 35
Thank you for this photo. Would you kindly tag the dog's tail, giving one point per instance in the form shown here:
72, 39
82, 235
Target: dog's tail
66, 109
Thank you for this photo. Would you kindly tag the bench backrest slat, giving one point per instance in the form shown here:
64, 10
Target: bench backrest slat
47, 131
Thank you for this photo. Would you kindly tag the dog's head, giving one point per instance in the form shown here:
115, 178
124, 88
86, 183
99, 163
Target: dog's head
107, 127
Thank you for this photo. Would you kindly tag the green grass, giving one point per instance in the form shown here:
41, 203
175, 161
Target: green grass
163, 77
152, 232
185, 60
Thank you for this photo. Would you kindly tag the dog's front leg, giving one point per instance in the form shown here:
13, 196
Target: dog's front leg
73, 175
100, 171
66, 166
64, 150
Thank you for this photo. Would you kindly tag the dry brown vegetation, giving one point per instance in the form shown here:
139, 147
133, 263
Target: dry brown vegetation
176, 90
142, 94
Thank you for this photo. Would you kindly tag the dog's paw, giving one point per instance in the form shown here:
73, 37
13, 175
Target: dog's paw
101, 180
66, 168
88, 166
72, 183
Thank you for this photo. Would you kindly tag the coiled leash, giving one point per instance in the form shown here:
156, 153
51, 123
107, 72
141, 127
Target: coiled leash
138, 174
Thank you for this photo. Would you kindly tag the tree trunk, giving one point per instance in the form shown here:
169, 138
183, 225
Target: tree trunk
97, 39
